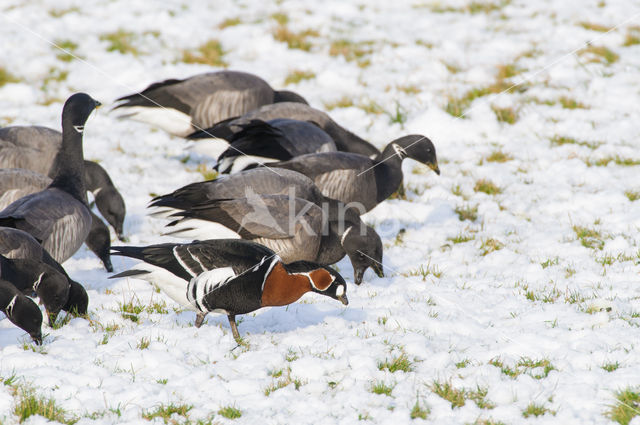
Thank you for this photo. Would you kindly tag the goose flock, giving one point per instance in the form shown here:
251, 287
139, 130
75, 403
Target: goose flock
287, 205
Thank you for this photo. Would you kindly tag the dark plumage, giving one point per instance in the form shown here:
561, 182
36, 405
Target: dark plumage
183, 106
231, 276
353, 178
344, 139
274, 140
19, 244
58, 216
35, 148
17, 182
256, 205
35, 277
21, 310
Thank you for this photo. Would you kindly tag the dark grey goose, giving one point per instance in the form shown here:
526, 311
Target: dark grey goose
35, 148
59, 217
353, 178
17, 182
181, 107
243, 203
18, 244
21, 310
344, 139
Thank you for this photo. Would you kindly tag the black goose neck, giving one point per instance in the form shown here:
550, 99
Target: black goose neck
69, 162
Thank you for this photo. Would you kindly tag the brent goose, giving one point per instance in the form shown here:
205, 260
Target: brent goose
229, 276
17, 182
21, 310
350, 177
183, 106
16, 243
35, 148
58, 216
35, 277
344, 139
239, 199
279, 139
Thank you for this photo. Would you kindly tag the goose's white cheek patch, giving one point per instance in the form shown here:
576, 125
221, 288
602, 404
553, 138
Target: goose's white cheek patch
340, 291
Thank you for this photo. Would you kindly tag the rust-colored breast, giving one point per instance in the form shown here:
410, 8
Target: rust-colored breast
281, 288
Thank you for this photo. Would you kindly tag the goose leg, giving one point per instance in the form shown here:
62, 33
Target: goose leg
234, 327
200, 319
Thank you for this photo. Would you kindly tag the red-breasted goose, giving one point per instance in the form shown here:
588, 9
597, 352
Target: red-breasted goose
58, 216
181, 107
350, 177
237, 199
229, 276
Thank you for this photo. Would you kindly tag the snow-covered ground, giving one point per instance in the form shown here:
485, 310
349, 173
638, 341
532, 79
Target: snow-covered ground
530, 305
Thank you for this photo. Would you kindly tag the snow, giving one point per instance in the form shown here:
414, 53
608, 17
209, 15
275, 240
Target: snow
541, 296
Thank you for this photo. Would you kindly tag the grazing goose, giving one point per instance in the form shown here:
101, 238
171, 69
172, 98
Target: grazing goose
231, 276
353, 178
35, 148
274, 140
240, 199
182, 106
21, 310
58, 216
34, 276
17, 182
17, 244
344, 139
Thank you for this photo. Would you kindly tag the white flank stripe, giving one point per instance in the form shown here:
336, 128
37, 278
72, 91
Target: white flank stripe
37, 282
197, 260
182, 263
10, 306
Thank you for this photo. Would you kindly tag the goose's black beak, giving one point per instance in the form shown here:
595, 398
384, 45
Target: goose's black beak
434, 167
343, 299
378, 269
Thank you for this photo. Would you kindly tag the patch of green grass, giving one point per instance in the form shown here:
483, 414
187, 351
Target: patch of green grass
570, 103
456, 106
29, 404
294, 40
283, 382
130, 310
462, 238
589, 238
425, 271
626, 408
487, 186
534, 409
206, 172
419, 411
504, 369
57, 13
379, 387
463, 363
458, 397
611, 366
505, 115
296, 76
564, 140
550, 262
400, 363
537, 369
352, 51
6, 77
490, 245
165, 412
618, 160
343, 102
371, 107
632, 195
498, 156
230, 412
120, 41
66, 55
467, 212
159, 307
487, 422
210, 53
229, 22
592, 26
291, 355
280, 18
399, 116
143, 344
631, 39
599, 54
